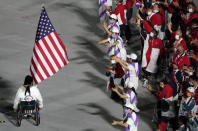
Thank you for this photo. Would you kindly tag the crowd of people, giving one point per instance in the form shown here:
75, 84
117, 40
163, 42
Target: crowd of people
169, 47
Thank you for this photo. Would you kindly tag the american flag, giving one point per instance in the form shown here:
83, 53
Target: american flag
49, 53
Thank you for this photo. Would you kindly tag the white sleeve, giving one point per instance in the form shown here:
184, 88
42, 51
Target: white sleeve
17, 99
38, 97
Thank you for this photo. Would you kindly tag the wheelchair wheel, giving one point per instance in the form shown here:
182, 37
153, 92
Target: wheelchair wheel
37, 118
19, 118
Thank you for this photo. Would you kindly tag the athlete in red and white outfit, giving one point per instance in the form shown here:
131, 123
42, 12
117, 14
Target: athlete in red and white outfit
180, 58
153, 49
156, 19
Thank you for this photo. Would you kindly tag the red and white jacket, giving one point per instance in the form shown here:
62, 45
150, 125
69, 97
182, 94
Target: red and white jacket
181, 60
153, 49
120, 11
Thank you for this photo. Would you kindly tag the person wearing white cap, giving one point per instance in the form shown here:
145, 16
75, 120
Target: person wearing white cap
113, 22
129, 95
115, 44
130, 121
188, 103
132, 69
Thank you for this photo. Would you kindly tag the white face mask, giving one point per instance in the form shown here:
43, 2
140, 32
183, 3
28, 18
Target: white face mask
177, 37
151, 34
155, 11
113, 61
190, 10
149, 13
190, 73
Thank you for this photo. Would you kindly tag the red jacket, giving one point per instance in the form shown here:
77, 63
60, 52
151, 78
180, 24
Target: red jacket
119, 11
196, 96
147, 27
119, 71
192, 16
166, 92
180, 61
129, 4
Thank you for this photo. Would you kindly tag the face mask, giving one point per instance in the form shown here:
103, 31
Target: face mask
151, 34
149, 13
127, 111
110, 22
113, 36
177, 52
113, 61
190, 10
155, 11
177, 37
190, 73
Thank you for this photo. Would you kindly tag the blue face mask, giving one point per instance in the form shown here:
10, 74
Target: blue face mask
127, 111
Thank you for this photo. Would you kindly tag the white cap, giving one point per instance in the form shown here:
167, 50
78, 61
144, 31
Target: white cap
133, 56
191, 89
115, 30
130, 85
113, 61
130, 106
113, 16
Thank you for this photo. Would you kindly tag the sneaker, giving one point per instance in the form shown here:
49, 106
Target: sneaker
145, 83
136, 109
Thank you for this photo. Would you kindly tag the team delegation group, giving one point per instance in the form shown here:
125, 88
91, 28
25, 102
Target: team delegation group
169, 37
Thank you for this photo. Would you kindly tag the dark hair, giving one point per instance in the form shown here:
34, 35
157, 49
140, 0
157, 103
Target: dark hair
28, 81
194, 77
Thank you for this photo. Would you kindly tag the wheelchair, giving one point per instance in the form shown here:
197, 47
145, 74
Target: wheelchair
28, 109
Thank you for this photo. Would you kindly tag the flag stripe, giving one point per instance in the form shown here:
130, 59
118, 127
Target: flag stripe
33, 75
46, 58
57, 49
41, 63
51, 55
54, 51
38, 53
37, 70
62, 45
39, 67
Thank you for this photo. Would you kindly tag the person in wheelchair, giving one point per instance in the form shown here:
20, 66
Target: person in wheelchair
28, 93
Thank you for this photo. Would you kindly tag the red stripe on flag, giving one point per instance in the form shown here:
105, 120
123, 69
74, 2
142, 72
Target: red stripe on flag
33, 76
57, 49
62, 45
37, 70
51, 53
41, 63
45, 57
